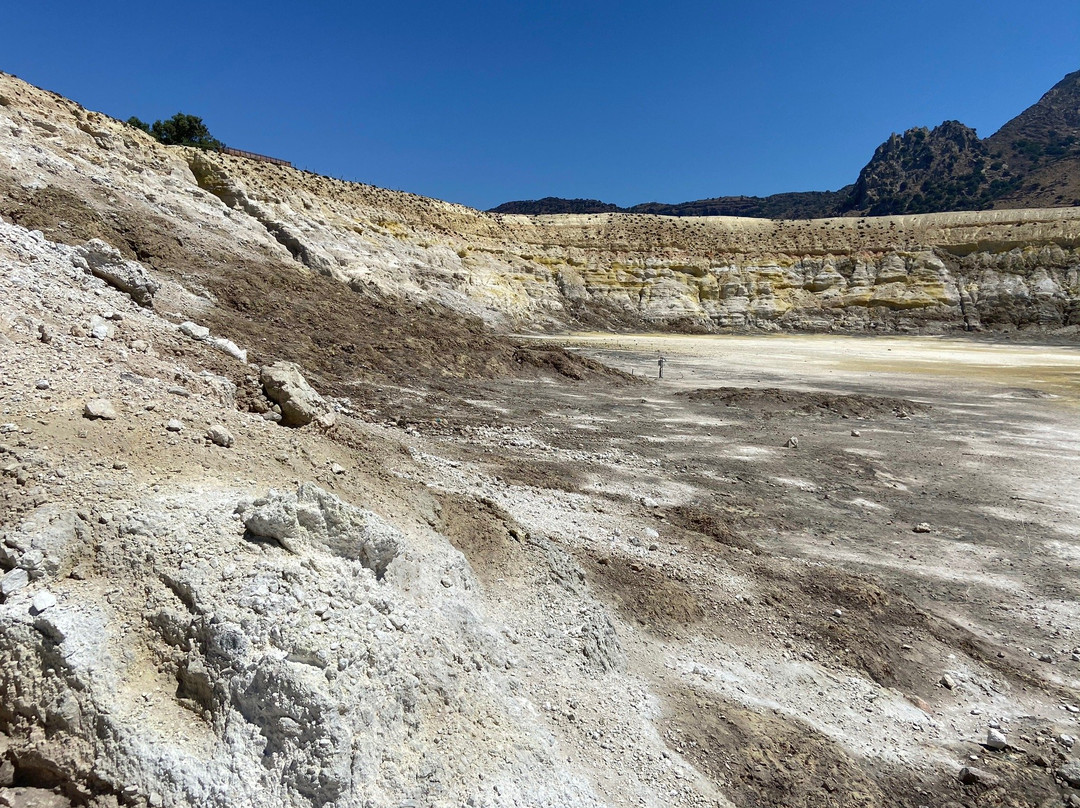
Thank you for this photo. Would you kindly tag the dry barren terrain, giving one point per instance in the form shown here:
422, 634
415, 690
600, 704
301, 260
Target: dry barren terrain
288, 516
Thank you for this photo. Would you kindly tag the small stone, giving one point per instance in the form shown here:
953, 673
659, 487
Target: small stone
183, 392
139, 345
969, 775
194, 331
995, 739
45, 333
856, 433
337, 468
649, 533
99, 408
42, 600
792, 443
922, 527
13, 581
174, 425
947, 682
219, 436
42, 384
1045, 658
100, 332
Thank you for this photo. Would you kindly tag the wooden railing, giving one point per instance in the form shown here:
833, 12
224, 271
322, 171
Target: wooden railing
254, 156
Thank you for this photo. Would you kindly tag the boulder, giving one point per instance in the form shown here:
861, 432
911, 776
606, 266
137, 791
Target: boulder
105, 262
1070, 773
99, 408
996, 740
13, 581
42, 601
286, 386
219, 436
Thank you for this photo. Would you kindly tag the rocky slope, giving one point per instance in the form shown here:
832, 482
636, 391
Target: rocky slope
183, 624
78, 175
1033, 161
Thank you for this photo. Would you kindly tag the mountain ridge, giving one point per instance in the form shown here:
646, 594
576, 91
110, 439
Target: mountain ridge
1032, 161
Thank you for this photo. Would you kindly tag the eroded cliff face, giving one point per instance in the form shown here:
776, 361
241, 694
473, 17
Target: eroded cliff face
937, 272
934, 272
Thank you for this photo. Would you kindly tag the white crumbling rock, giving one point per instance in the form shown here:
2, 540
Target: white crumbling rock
199, 332
286, 386
42, 600
105, 262
229, 347
49, 542
313, 516
13, 581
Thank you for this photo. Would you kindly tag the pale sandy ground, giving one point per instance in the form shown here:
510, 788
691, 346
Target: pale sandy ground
880, 365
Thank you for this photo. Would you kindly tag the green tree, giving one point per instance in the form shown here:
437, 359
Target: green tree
179, 130
139, 124
184, 130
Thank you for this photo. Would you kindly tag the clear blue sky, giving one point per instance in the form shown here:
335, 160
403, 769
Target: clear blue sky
483, 102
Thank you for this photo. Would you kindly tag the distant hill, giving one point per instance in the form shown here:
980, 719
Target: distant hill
795, 205
1033, 161
553, 204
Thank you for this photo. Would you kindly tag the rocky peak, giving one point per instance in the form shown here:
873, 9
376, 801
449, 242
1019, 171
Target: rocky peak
1052, 121
944, 168
1042, 145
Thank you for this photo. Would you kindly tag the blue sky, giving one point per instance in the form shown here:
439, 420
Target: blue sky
483, 102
